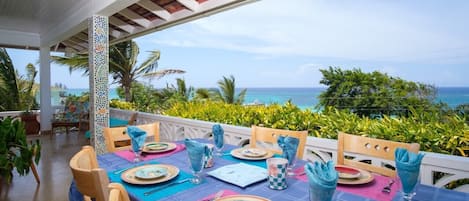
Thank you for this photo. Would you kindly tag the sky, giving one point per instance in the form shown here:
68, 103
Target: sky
272, 43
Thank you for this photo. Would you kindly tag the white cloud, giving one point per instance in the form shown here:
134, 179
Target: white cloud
360, 30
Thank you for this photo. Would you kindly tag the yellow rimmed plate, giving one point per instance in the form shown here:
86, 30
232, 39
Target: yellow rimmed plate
241, 154
364, 178
158, 147
253, 152
346, 172
130, 177
151, 172
242, 198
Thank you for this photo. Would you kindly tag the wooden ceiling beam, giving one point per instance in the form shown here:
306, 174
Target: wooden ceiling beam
121, 24
190, 4
72, 46
155, 9
115, 33
82, 36
78, 42
135, 17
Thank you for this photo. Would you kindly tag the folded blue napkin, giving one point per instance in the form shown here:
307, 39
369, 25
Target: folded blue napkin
322, 179
217, 131
289, 147
408, 168
137, 137
196, 152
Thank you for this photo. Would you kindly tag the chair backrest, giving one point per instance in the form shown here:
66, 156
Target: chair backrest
90, 180
117, 192
267, 138
119, 134
382, 149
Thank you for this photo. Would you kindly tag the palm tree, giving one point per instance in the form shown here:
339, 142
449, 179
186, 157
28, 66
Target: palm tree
122, 65
204, 94
17, 92
226, 93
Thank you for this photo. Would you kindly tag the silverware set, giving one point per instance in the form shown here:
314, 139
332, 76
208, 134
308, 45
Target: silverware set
387, 188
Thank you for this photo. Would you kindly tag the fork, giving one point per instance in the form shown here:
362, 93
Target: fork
387, 188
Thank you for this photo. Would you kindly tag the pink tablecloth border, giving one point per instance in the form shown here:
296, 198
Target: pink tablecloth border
129, 155
225, 193
369, 190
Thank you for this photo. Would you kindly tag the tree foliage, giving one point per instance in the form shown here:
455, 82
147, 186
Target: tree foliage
122, 65
18, 92
374, 94
227, 91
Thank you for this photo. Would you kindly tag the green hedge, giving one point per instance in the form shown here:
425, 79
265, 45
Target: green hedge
435, 132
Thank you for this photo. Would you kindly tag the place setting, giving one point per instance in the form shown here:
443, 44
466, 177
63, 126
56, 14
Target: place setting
158, 147
150, 174
251, 153
353, 176
150, 150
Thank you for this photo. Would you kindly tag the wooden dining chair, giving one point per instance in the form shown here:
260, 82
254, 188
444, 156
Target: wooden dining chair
117, 192
267, 138
90, 180
352, 150
117, 139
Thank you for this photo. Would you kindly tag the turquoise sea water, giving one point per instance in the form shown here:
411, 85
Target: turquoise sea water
305, 97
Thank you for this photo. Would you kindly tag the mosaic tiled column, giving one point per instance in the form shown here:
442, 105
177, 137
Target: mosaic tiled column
99, 72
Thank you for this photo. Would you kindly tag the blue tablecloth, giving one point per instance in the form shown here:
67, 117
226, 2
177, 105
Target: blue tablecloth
113, 122
297, 190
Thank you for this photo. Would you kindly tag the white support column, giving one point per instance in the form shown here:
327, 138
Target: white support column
44, 73
99, 71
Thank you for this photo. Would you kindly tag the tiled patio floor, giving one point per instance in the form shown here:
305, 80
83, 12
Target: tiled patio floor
53, 170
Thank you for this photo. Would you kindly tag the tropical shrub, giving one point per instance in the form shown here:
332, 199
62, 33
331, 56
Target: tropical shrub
374, 94
114, 103
448, 134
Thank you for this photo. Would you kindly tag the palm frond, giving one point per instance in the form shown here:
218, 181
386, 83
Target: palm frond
77, 62
151, 64
8, 81
162, 73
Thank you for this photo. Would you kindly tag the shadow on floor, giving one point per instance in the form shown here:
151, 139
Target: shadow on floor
53, 170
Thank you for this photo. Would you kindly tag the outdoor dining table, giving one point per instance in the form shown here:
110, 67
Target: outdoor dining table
297, 188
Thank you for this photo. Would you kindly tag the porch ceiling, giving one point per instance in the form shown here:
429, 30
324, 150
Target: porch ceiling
140, 17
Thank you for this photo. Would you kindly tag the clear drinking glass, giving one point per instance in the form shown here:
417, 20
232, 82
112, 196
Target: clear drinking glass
408, 185
197, 167
137, 149
291, 165
219, 146
291, 162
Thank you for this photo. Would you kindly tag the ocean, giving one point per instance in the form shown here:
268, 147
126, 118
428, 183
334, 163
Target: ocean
302, 97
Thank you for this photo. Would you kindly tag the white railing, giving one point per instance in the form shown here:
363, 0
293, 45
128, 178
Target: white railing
453, 168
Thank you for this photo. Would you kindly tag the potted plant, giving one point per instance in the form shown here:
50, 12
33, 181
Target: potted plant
15, 151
